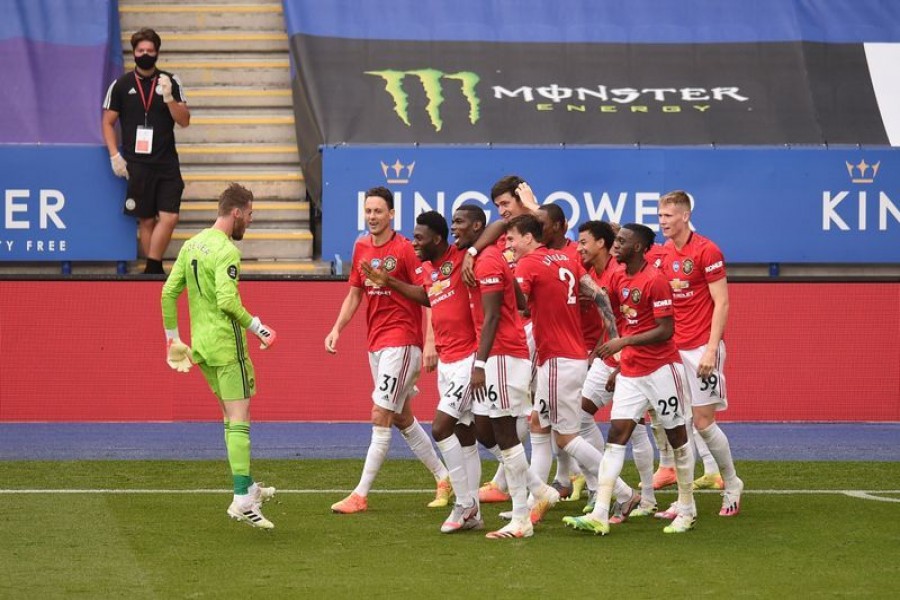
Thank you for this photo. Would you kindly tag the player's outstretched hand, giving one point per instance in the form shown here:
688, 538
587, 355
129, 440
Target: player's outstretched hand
265, 333
178, 355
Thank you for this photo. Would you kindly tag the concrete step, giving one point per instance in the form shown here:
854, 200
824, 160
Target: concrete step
284, 214
239, 97
218, 41
232, 154
241, 15
271, 126
243, 69
267, 182
262, 243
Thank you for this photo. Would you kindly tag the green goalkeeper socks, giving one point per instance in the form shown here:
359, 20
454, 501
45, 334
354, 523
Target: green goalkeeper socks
238, 442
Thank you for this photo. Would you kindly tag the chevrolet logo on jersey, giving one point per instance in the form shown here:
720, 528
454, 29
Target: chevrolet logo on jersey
678, 285
438, 287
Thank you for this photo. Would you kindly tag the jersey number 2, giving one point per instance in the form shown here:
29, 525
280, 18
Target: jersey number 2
567, 276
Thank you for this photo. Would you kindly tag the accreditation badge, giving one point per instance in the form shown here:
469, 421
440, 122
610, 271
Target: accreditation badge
143, 141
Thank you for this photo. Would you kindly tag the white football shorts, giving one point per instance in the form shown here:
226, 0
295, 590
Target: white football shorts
395, 371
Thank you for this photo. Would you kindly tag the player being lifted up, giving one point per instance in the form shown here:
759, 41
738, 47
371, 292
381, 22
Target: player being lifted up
209, 265
512, 197
441, 288
395, 348
550, 282
651, 375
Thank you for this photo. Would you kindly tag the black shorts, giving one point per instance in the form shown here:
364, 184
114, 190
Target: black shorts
153, 189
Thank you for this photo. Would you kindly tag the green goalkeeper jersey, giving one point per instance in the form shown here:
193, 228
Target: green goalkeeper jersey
209, 265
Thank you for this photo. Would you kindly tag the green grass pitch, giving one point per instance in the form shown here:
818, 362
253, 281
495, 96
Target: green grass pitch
182, 545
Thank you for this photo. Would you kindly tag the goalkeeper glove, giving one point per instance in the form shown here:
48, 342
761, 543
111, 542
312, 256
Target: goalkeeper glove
178, 355
265, 333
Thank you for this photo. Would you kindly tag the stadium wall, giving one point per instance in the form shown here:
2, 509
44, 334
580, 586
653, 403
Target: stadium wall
94, 351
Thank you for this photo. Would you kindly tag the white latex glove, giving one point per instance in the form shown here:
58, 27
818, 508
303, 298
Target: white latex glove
119, 166
164, 87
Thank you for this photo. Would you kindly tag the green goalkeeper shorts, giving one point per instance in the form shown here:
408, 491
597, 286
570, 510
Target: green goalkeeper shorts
231, 382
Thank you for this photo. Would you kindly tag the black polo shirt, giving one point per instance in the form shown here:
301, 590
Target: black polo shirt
124, 98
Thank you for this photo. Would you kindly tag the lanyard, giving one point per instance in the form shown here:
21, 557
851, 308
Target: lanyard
145, 101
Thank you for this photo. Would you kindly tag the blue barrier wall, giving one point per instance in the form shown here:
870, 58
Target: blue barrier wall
61, 201
760, 205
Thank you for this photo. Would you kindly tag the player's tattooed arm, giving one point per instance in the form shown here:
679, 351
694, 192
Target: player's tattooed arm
590, 289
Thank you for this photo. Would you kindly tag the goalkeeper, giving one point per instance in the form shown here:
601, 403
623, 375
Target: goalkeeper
208, 265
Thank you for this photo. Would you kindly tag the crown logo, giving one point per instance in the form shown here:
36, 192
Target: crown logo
398, 172
862, 172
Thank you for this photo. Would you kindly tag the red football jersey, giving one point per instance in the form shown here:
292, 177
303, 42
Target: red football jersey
643, 297
451, 316
494, 275
392, 319
550, 280
592, 327
689, 272
605, 281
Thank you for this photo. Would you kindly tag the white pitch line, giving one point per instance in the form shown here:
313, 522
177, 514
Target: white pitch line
862, 494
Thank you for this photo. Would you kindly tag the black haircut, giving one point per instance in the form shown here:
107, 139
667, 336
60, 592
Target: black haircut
507, 184
476, 213
382, 192
645, 235
145, 34
434, 221
527, 224
555, 213
601, 230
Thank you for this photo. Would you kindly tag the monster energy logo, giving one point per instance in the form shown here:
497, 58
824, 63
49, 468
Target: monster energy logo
431, 80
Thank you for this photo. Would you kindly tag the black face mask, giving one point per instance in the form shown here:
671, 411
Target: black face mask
145, 61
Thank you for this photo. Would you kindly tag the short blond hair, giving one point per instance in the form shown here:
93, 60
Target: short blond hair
676, 198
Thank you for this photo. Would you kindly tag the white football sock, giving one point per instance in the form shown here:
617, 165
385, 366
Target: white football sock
610, 468
420, 444
642, 451
499, 478
541, 456
666, 458
684, 470
378, 448
701, 451
565, 466
516, 466
472, 460
452, 452
720, 449
592, 434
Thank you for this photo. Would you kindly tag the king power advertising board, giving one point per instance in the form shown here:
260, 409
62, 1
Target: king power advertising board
760, 205
62, 203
